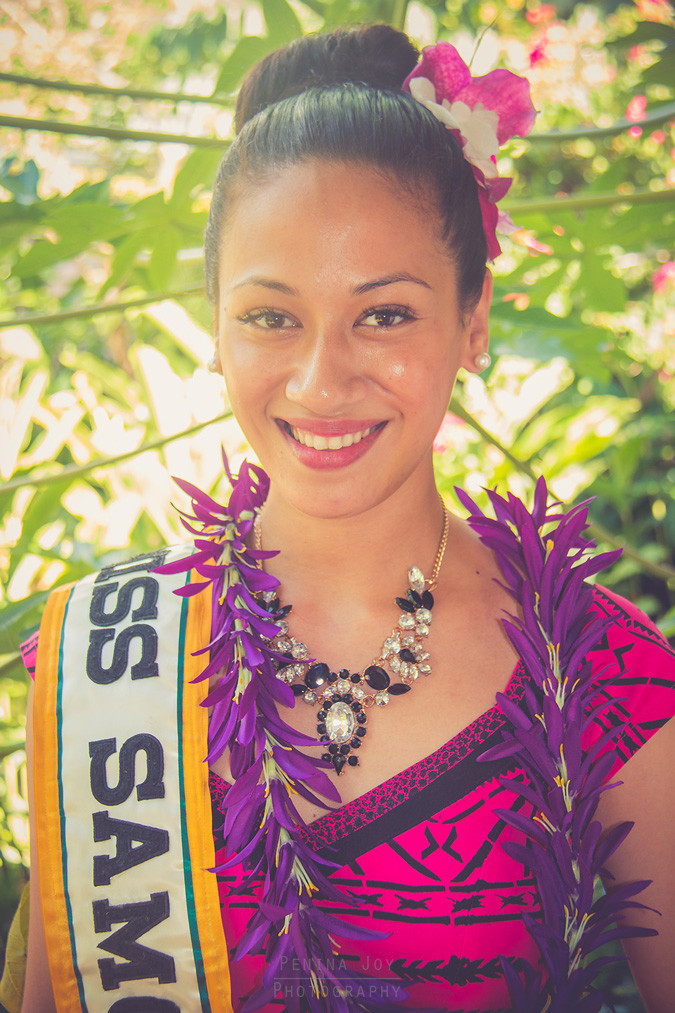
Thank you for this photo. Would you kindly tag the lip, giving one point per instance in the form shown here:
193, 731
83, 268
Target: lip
327, 460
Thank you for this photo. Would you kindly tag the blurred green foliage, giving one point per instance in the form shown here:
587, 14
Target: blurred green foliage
100, 403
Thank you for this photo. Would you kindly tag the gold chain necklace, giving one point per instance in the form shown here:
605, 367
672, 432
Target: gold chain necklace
344, 697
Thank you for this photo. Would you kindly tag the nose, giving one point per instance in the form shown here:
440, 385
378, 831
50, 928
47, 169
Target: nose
327, 374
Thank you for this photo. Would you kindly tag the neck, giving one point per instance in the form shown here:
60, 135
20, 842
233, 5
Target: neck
371, 551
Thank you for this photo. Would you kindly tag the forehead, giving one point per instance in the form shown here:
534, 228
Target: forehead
321, 218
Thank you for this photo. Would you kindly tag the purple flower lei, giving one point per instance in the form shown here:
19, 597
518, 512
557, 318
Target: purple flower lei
262, 825
545, 566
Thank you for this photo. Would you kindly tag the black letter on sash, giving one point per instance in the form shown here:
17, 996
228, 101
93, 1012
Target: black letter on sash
140, 961
153, 842
144, 1004
143, 669
151, 787
139, 564
146, 610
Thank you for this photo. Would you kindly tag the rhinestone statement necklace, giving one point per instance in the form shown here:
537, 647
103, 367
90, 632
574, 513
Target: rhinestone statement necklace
345, 698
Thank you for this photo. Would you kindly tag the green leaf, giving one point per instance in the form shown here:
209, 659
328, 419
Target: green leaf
198, 170
281, 20
44, 507
23, 185
77, 227
163, 258
18, 618
123, 260
646, 31
602, 290
663, 71
247, 51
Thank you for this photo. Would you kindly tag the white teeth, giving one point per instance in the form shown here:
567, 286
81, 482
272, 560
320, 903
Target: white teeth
318, 442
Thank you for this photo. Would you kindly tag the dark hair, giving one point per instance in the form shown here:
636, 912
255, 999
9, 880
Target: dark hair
338, 97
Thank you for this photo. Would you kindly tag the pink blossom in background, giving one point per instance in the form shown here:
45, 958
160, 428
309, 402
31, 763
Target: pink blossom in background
538, 53
526, 237
655, 10
541, 14
635, 110
664, 278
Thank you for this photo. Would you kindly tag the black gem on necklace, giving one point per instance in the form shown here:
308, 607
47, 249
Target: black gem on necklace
398, 689
407, 655
405, 605
352, 761
376, 677
338, 762
316, 675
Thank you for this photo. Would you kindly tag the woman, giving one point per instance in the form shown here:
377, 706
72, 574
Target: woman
346, 260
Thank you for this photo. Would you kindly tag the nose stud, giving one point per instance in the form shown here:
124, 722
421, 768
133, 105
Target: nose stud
482, 361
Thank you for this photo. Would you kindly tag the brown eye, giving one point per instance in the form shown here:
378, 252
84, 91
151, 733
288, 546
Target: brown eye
268, 320
386, 316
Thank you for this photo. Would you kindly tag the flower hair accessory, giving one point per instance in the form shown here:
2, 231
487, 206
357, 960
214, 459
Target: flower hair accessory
482, 113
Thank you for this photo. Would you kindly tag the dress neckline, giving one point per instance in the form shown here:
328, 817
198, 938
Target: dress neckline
335, 824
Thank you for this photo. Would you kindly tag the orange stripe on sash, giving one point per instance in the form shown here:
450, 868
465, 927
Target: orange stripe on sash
48, 806
198, 808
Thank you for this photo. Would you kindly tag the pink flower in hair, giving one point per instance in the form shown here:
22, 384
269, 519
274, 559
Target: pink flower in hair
483, 113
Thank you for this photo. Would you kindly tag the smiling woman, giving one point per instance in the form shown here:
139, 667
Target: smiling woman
403, 787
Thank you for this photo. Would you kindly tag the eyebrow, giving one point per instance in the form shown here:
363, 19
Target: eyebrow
366, 286
389, 279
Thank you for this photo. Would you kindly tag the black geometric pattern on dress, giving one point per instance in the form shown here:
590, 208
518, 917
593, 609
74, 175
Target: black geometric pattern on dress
611, 608
454, 971
457, 780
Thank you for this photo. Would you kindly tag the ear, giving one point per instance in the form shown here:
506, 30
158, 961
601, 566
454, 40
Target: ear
477, 327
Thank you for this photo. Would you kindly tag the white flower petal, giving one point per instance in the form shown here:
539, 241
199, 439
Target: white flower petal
422, 89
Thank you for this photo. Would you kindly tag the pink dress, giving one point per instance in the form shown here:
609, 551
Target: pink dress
423, 850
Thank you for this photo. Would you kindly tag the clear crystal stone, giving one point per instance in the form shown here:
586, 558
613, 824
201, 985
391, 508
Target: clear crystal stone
416, 579
404, 669
342, 686
282, 626
299, 651
395, 663
284, 645
425, 669
281, 674
408, 640
423, 616
413, 671
422, 655
329, 690
407, 622
299, 670
422, 630
310, 696
269, 596
391, 644
340, 722
381, 698
358, 693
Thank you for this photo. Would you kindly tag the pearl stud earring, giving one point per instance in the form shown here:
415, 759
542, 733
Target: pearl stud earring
212, 364
482, 361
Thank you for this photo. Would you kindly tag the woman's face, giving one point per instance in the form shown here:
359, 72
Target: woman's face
340, 334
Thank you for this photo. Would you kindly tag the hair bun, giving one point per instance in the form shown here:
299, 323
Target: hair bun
376, 55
